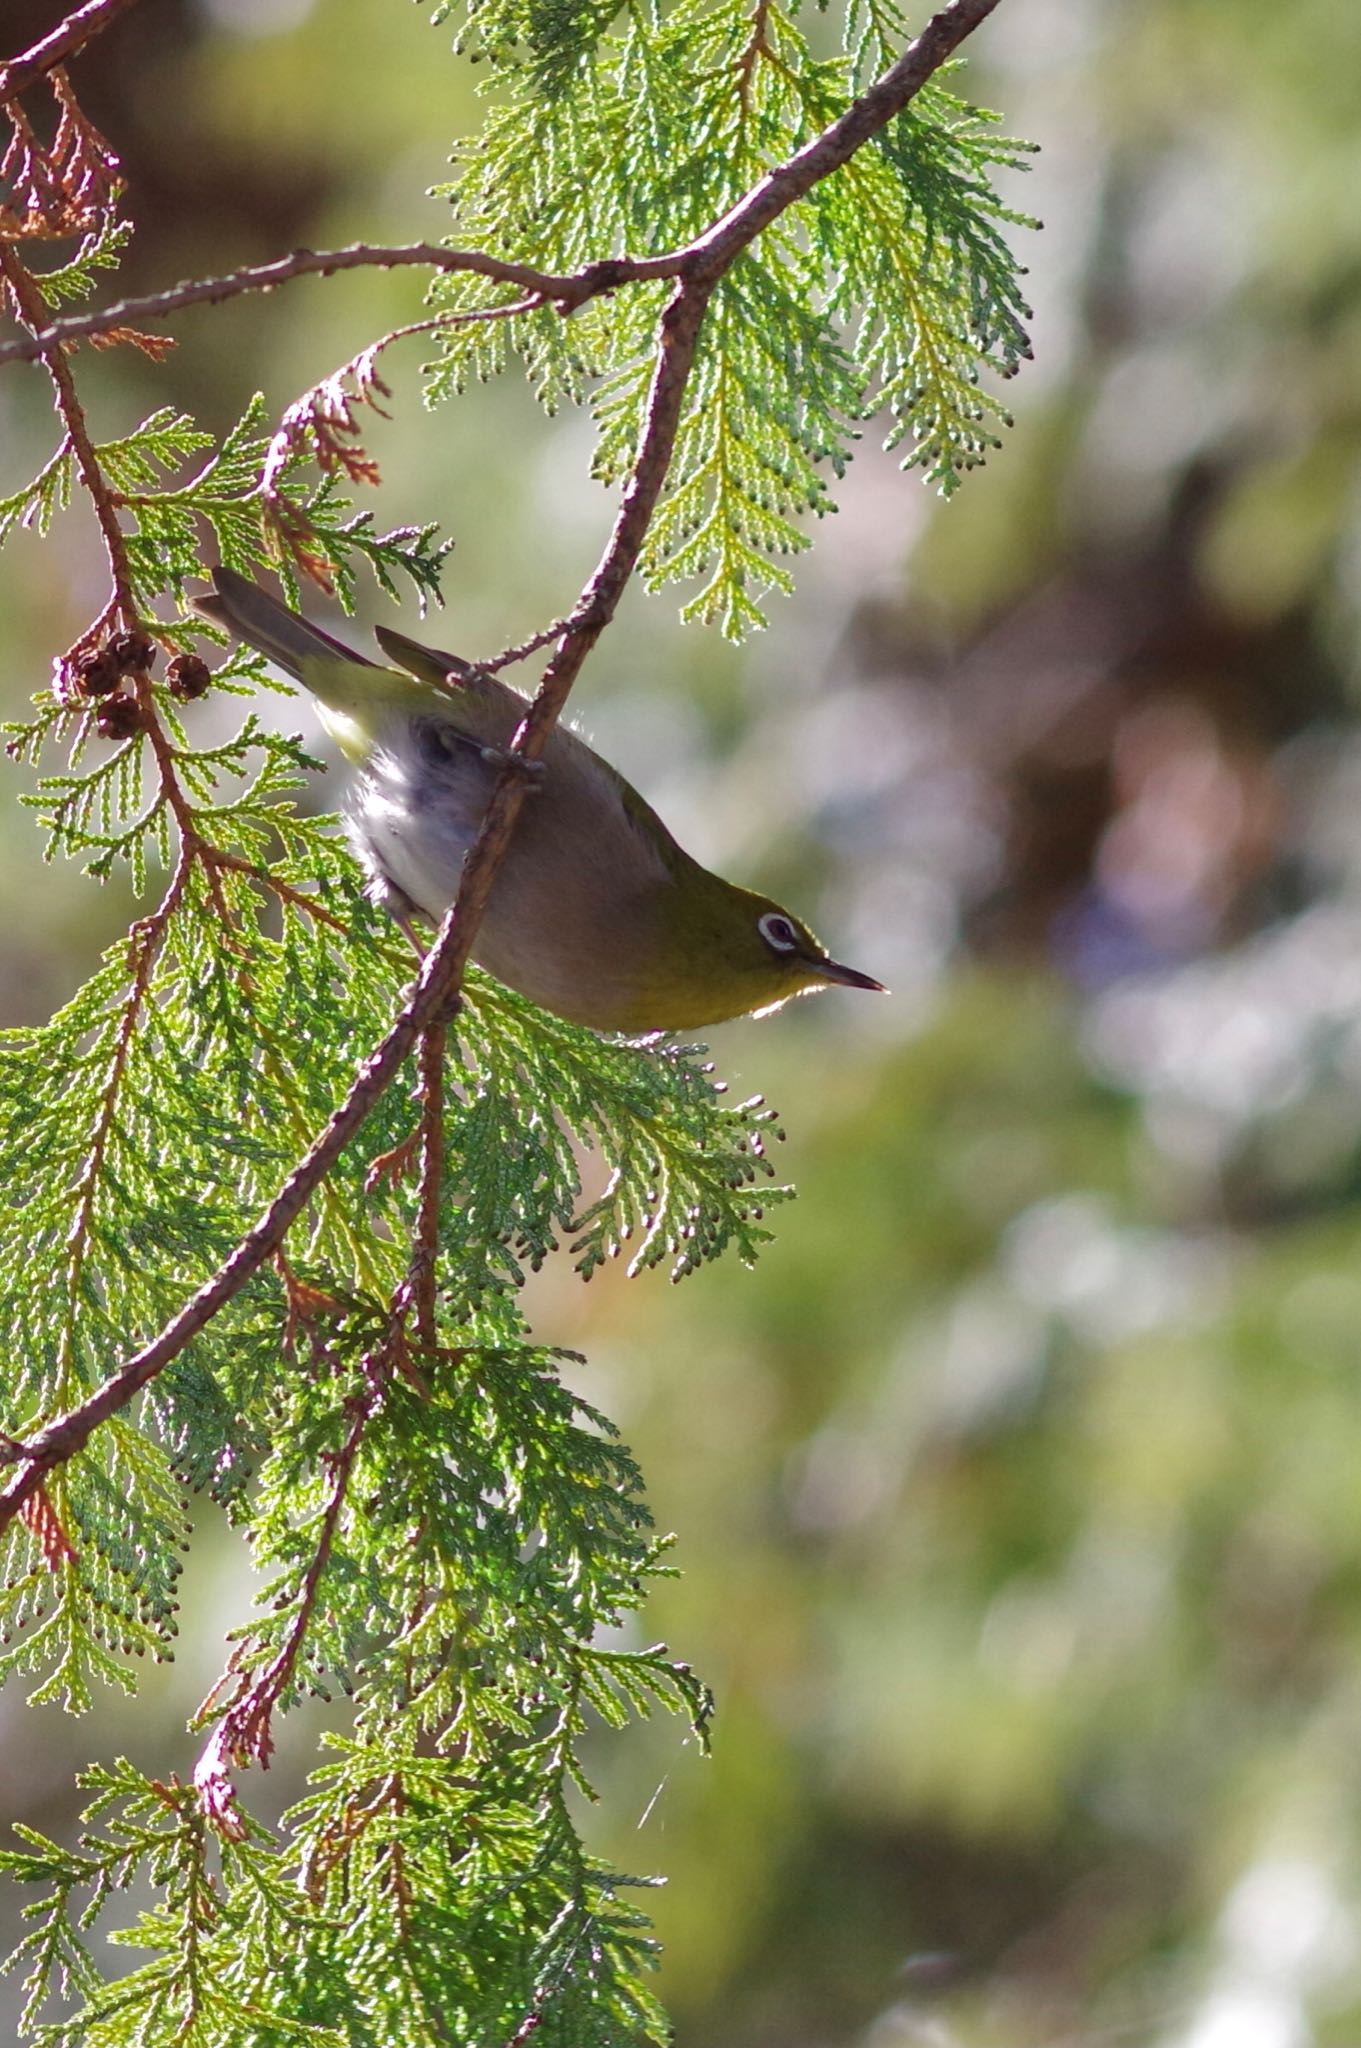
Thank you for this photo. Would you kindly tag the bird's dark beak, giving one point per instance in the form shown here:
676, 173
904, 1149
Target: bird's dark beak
849, 977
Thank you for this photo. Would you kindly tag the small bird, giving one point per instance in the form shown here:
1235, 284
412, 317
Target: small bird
596, 913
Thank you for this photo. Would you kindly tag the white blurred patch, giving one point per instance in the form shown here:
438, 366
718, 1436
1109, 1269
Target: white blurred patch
1284, 1932
1071, 1258
256, 17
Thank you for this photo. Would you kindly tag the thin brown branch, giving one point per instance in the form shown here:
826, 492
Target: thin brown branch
757, 47
425, 1255
218, 857
539, 287
329, 1849
525, 648
31, 308
65, 40
192, 842
145, 941
243, 1734
455, 316
441, 975
532, 2020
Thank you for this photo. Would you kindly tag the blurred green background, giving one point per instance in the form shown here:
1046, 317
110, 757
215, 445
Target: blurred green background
1019, 1490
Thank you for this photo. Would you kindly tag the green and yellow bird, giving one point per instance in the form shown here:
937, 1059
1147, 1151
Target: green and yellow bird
596, 913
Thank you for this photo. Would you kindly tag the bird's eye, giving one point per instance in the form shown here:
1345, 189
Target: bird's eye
778, 932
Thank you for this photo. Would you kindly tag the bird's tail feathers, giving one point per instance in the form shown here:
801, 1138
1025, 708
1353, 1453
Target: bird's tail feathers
259, 619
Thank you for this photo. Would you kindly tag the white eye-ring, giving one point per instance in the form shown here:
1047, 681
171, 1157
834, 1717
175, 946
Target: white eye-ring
778, 932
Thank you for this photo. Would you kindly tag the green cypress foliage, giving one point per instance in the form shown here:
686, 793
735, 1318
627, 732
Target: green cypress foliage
444, 1532
889, 289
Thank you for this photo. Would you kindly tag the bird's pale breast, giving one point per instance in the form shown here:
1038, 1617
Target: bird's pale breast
574, 907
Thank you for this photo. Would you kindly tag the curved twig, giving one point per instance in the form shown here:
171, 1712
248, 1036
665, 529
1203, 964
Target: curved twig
31, 308
540, 287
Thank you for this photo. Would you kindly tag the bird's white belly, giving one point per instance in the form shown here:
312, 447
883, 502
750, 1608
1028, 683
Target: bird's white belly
413, 830
421, 865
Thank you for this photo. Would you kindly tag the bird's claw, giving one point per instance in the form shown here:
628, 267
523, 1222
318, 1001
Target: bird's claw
519, 764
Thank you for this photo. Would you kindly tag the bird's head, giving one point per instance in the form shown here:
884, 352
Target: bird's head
735, 953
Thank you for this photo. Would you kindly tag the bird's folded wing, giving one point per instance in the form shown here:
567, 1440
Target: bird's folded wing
256, 617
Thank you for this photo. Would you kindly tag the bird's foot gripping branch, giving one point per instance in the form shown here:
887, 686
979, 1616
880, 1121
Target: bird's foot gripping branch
268, 1209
